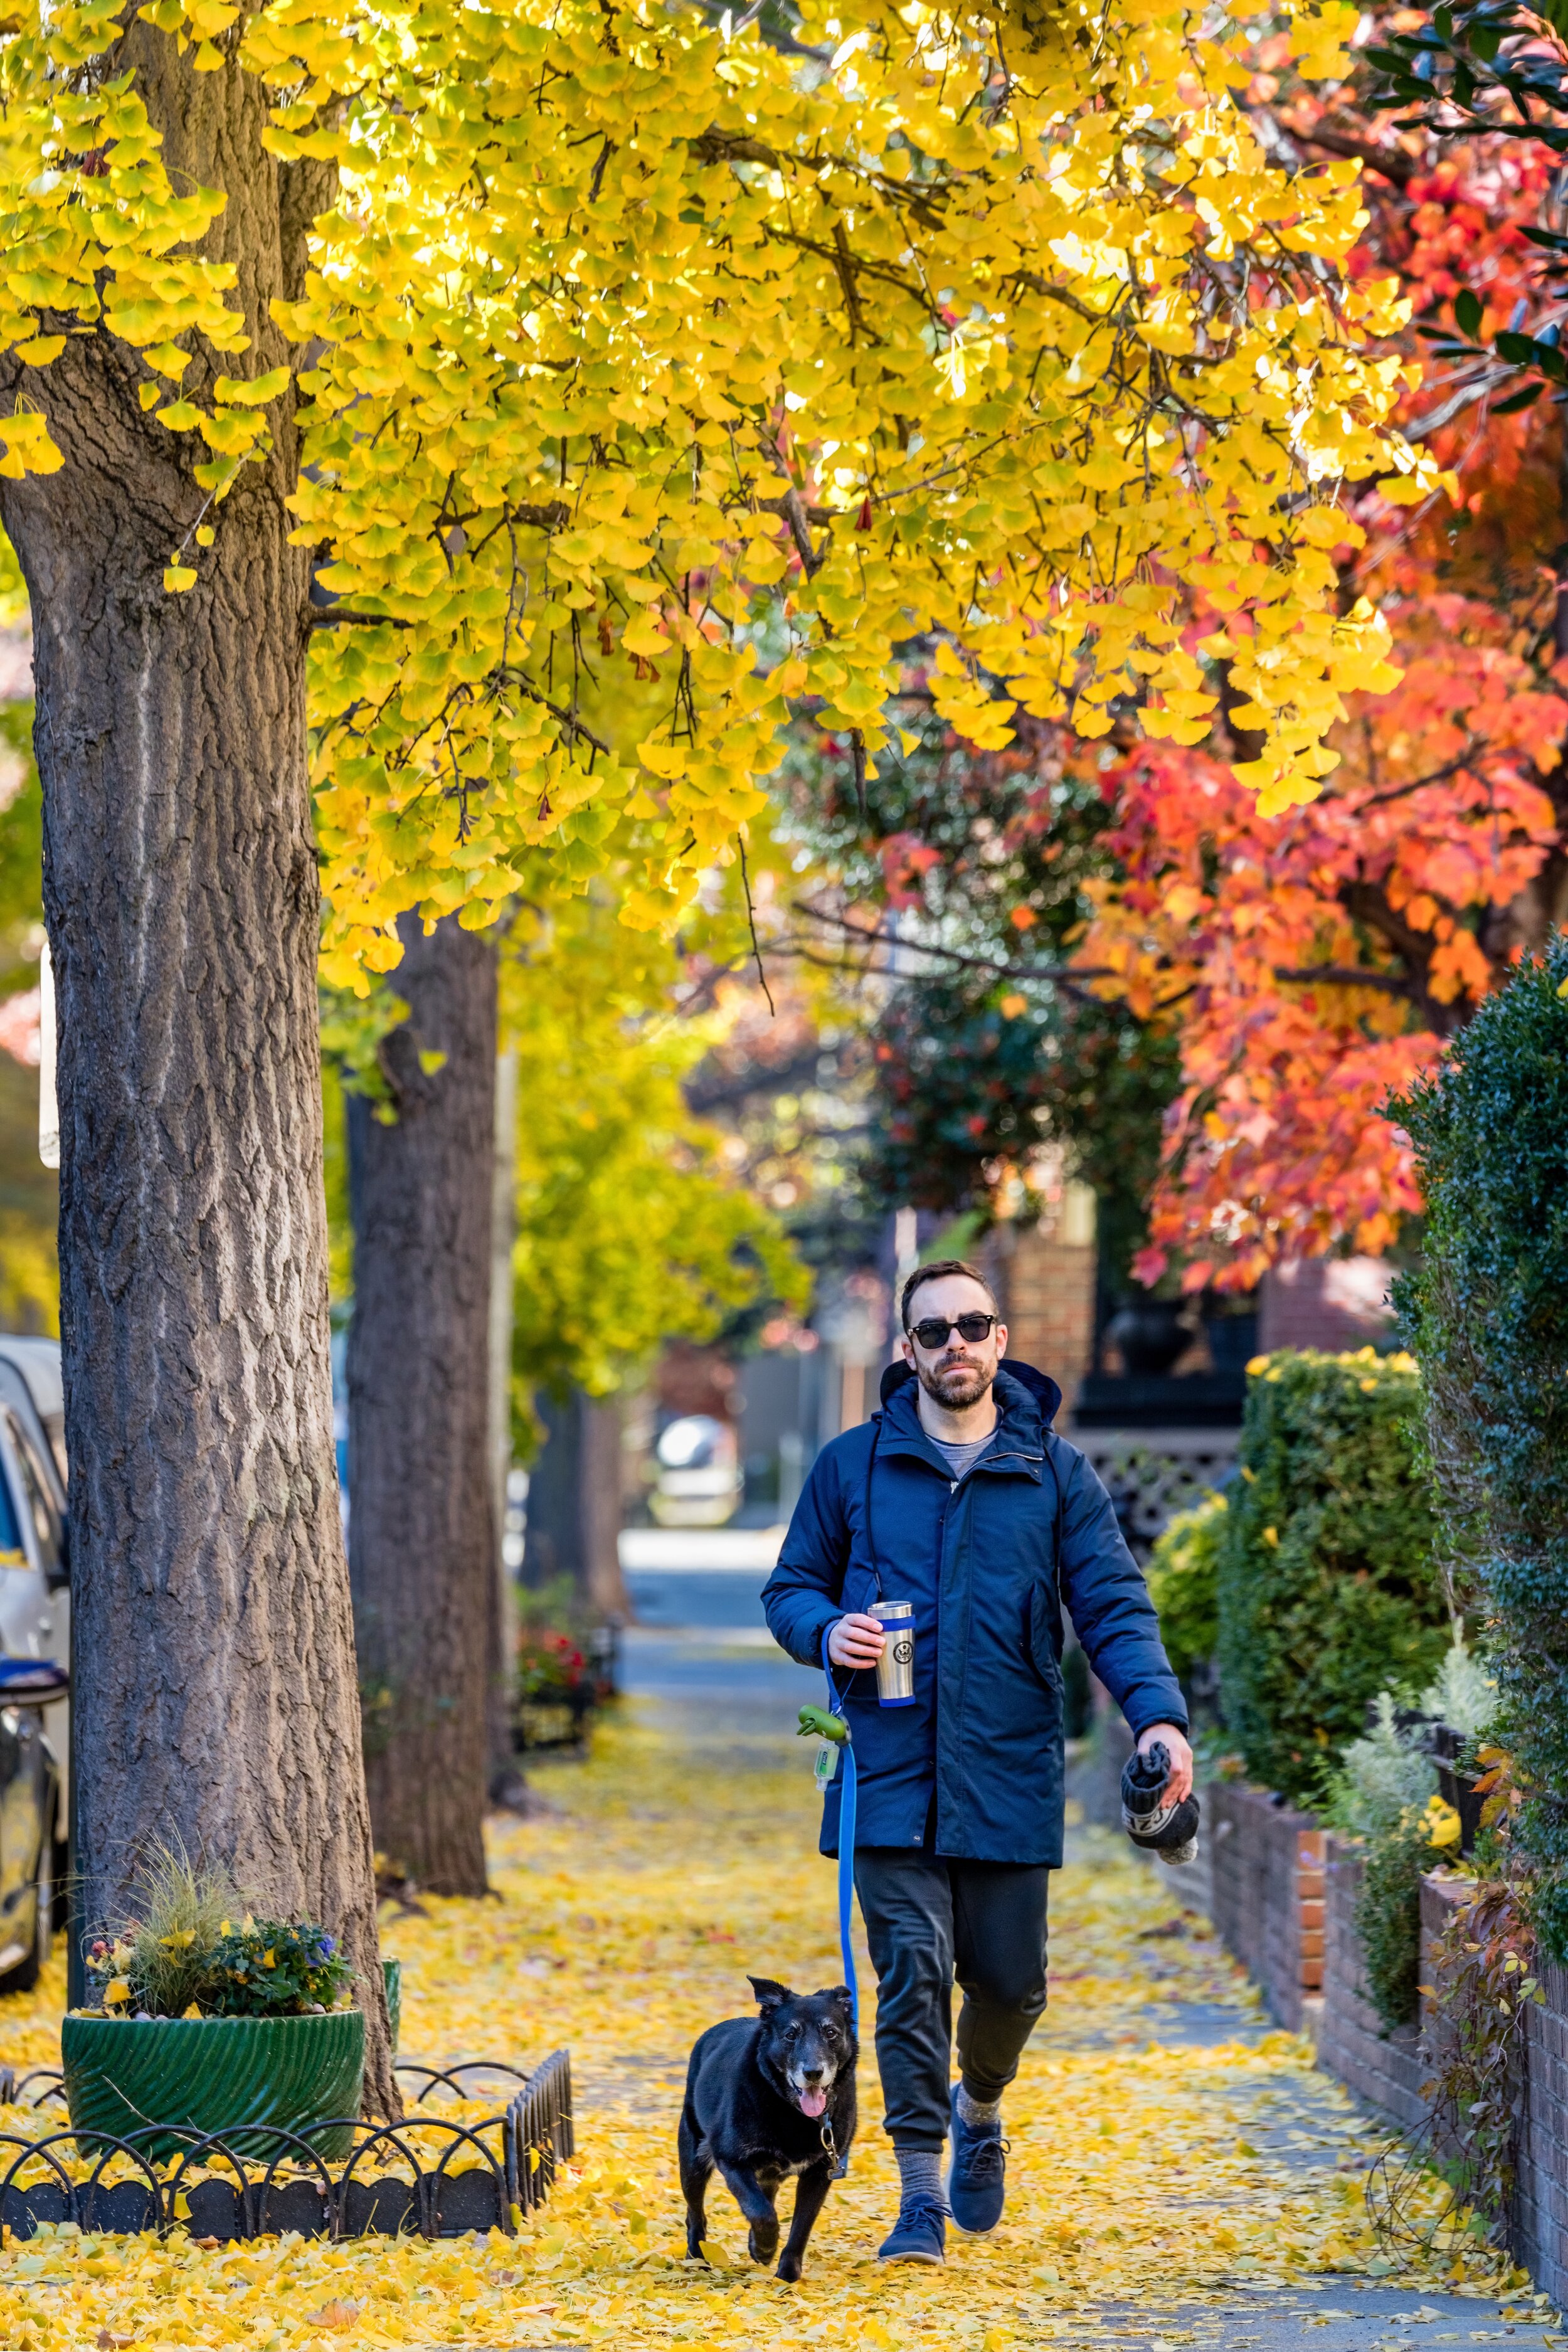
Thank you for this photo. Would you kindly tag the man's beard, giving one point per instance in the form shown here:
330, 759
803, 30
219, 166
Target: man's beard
960, 1385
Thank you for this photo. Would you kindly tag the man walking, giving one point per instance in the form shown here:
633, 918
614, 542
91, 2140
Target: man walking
960, 1499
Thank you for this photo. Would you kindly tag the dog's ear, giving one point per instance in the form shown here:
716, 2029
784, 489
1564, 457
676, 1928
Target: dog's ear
845, 1998
768, 1994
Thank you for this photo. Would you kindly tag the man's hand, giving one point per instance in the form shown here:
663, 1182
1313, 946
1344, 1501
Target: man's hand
1180, 1783
855, 1641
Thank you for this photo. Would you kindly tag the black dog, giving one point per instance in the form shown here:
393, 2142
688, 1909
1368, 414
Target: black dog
767, 2096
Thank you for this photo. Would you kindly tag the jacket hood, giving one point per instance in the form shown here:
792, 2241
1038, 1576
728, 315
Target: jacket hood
1011, 1370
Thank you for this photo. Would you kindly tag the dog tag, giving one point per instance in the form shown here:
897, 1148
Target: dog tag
826, 1762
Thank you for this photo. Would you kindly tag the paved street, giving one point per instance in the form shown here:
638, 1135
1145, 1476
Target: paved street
700, 1657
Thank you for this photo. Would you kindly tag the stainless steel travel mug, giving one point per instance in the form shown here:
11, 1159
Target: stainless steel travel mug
896, 1666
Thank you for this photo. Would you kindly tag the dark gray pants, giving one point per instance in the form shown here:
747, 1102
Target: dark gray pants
928, 1920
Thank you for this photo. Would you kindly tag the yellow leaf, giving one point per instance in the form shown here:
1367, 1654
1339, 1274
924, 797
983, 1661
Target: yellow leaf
237, 391
1405, 489
1444, 1826
340, 2317
178, 577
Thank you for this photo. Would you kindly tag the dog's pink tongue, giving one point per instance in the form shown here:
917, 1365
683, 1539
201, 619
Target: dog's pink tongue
813, 2101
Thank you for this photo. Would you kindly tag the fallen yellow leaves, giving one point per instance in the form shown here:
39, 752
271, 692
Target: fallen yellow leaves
1144, 2169
339, 2316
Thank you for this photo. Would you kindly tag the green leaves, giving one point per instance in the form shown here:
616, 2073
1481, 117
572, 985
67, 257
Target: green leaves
1453, 63
272, 1967
1487, 1310
1513, 349
1328, 1589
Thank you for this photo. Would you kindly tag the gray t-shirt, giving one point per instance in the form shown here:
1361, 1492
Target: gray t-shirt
960, 1458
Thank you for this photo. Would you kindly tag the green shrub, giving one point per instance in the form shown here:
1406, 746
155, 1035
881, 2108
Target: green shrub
1328, 1588
1486, 1312
1382, 1795
1388, 1916
1184, 1584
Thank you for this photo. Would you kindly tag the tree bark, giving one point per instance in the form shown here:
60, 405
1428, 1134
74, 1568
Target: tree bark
422, 1532
215, 1693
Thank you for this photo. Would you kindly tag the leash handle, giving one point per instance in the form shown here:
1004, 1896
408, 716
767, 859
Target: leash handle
846, 1812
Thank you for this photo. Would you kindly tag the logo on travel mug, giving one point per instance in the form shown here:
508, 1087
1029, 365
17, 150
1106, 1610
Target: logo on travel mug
896, 1666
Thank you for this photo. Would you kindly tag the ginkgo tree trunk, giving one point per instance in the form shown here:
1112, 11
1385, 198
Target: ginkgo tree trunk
422, 1531
215, 1692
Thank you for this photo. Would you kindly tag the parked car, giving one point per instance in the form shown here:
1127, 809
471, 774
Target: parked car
35, 1653
698, 1481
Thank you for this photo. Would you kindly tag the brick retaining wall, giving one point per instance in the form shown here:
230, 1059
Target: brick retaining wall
1267, 1893
1541, 2197
1283, 1903
1385, 2068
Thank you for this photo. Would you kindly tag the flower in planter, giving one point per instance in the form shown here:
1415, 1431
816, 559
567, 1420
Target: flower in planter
185, 1956
1441, 1822
270, 1967
550, 1665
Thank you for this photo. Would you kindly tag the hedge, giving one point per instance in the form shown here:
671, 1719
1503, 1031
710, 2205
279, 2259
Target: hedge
1488, 1311
1183, 1574
1329, 1591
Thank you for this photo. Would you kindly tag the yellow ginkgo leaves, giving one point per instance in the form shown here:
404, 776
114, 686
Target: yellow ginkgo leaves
655, 379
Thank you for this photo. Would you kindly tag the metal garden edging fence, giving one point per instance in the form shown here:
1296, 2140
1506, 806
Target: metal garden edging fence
254, 2182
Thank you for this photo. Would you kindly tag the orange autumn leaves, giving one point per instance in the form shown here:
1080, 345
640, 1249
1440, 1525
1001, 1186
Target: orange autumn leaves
1315, 962
1251, 932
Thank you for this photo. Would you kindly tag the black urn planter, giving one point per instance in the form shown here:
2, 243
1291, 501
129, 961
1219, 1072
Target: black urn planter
1455, 1786
1151, 1335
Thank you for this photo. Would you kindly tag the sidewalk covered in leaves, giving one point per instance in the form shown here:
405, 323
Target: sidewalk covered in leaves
1177, 2169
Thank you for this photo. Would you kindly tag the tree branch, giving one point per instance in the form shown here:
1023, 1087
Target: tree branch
568, 719
339, 616
795, 515
1061, 974
1390, 164
1344, 975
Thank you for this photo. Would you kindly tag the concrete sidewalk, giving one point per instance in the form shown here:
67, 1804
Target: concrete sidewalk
703, 1664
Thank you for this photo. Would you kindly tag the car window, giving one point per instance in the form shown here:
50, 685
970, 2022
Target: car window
11, 1552
40, 1509
55, 1431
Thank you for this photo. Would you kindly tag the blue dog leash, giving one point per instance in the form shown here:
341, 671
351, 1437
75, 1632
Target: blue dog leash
846, 1811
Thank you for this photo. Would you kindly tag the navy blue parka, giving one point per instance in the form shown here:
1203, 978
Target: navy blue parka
990, 1561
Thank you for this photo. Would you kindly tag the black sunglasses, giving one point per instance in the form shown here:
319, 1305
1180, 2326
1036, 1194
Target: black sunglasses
933, 1332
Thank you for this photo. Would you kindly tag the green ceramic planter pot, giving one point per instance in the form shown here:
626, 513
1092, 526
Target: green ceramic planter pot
214, 2074
392, 1976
